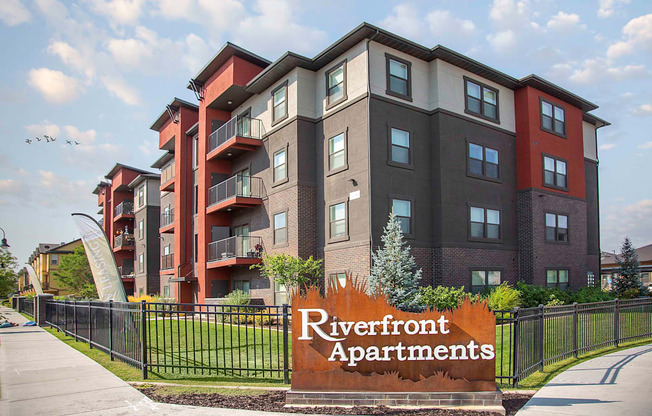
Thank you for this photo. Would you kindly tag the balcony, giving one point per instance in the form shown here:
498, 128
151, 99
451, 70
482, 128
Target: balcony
124, 241
127, 268
167, 263
236, 192
124, 210
167, 178
234, 251
167, 221
238, 135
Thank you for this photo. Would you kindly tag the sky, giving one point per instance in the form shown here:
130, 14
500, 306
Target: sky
100, 72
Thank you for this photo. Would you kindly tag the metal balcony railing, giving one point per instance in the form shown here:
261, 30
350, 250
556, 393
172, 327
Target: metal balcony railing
167, 217
124, 240
124, 208
238, 185
127, 268
238, 126
238, 246
167, 261
167, 173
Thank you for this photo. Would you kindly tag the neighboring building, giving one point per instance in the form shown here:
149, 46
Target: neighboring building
610, 267
23, 280
46, 259
147, 208
117, 202
493, 178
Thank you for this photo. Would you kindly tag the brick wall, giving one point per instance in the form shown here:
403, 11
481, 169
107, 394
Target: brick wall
457, 263
349, 257
424, 257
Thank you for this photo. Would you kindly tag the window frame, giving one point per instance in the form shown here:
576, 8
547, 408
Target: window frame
545, 227
141, 229
248, 291
346, 236
141, 262
389, 91
333, 171
484, 163
274, 229
335, 273
552, 131
481, 114
330, 104
557, 270
275, 120
485, 239
392, 162
195, 152
543, 172
141, 196
400, 197
485, 269
275, 181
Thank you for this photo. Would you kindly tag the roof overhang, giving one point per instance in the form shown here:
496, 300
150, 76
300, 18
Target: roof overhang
222, 56
142, 178
163, 160
183, 279
119, 166
174, 105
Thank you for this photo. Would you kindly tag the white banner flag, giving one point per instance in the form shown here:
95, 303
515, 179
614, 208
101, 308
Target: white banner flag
36, 284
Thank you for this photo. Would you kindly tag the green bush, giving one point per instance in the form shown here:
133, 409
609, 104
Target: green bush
441, 298
554, 301
630, 293
504, 298
590, 295
532, 295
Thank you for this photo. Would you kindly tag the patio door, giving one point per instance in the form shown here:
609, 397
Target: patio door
244, 183
242, 244
244, 124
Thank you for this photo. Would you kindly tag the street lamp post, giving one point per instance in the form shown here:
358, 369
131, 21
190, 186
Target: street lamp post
4, 244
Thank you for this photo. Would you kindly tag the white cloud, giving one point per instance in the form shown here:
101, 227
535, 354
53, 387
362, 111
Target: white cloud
638, 36
225, 15
119, 12
175, 9
510, 14
149, 147
71, 57
643, 110
405, 19
13, 12
196, 52
565, 22
607, 146
83, 137
10, 186
633, 220
442, 23
119, 88
607, 7
645, 146
59, 190
54, 85
504, 41
596, 70
43, 128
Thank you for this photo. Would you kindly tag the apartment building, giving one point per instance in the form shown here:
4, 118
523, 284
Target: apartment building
116, 201
493, 178
45, 260
147, 211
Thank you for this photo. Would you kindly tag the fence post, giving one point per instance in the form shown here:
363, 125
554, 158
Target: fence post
74, 319
90, 326
286, 366
540, 337
575, 329
515, 349
616, 322
111, 329
143, 338
65, 316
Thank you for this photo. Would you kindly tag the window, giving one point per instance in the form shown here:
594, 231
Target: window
483, 161
400, 140
337, 220
484, 280
280, 165
557, 278
279, 103
553, 118
398, 77
166, 291
336, 84
54, 259
554, 173
336, 152
338, 279
141, 228
195, 247
195, 152
485, 223
280, 228
195, 201
403, 211
141, 196
242, 285
166, 250
481, 100
141, 262
556, 227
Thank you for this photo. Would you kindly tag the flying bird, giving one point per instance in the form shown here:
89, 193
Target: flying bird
68, 142
47, 140
38, 138
28, 141
53, 138
76, 142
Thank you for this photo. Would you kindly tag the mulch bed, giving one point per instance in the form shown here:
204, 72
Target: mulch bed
275, 400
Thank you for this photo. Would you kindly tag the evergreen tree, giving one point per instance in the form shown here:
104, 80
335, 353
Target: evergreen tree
629, 274
394, 269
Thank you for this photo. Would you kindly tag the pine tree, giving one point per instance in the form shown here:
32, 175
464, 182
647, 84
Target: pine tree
629, 274
394, 269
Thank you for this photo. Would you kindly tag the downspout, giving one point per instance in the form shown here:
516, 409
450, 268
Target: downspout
371, 234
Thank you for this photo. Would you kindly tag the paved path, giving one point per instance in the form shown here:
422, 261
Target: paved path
40, 375
614, 384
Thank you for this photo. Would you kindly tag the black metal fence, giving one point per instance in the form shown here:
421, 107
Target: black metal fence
254, 341
26, 306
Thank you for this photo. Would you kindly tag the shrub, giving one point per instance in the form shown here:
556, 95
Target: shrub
631, 293
554, 301
504, 298
590, 295
146, 298
237, 298
441, 297
532, 295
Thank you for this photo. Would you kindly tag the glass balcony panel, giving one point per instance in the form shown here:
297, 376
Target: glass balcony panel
234, 247
238, 126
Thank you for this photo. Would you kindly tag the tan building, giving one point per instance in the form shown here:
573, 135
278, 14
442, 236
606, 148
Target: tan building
609, 267
46, 259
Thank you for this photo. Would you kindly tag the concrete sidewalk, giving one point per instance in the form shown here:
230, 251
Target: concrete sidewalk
614, 384
40, 375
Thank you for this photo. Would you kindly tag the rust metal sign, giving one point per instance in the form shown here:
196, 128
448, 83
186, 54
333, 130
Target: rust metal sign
352, 341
